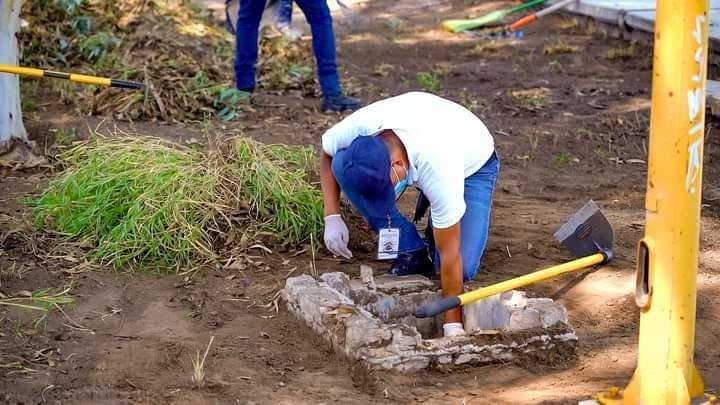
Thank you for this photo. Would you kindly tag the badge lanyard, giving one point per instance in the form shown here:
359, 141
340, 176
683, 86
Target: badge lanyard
388, 242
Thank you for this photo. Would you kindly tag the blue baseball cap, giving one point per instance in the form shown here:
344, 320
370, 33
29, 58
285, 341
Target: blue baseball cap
366, 168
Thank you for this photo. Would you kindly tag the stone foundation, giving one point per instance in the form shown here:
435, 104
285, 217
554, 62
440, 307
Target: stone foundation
372, 320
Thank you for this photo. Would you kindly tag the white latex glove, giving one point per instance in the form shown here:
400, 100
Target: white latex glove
337, 236
453, 329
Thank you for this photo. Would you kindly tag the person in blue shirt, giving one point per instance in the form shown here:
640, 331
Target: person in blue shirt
318, 16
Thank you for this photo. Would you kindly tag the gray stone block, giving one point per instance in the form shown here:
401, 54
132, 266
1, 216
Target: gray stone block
362, 331
377, 326
403, 285
466, 358
338, 281
551, 312
485, 314
527, 318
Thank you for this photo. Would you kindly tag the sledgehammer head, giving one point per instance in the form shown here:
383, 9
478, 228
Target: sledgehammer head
587, 232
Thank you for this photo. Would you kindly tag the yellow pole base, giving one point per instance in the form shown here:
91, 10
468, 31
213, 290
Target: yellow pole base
684, 391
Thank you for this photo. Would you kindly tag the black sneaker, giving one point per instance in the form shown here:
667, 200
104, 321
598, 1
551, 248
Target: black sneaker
417, 262
339, 103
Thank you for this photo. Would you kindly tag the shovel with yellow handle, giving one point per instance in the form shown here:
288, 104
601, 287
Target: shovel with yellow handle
587, 235
73, 77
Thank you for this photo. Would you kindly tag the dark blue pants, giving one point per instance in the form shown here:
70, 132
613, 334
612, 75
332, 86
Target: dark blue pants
318, 16
284, 13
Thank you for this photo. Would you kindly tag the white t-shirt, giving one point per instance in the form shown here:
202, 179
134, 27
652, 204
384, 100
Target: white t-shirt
445, 143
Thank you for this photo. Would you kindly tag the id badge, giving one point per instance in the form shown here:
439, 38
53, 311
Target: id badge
388, 243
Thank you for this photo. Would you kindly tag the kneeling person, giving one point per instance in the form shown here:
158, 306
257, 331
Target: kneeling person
429, 142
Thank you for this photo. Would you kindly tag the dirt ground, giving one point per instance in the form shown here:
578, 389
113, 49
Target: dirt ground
570, 119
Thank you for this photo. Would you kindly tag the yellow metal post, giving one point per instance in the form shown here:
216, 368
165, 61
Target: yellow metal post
668, 254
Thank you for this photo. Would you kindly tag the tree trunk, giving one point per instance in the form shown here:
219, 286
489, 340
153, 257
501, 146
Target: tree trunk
11, 124
15, 148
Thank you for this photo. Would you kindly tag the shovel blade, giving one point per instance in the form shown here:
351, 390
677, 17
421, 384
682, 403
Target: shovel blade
587, 232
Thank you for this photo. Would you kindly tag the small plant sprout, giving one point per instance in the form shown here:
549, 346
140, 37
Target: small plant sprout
533, 99
565, 158
198, 365
96, 46
68, 6
227, 101
428, 81
66, 137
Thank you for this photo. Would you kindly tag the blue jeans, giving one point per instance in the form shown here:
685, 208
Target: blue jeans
284, 13
474, 225
318, 16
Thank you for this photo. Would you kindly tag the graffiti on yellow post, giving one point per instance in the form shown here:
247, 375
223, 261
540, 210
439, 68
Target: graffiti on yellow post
696, 104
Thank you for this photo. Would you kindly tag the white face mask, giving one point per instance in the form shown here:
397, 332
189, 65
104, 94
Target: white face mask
401, 184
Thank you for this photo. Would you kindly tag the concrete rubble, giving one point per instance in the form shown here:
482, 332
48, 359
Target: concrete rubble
371, 319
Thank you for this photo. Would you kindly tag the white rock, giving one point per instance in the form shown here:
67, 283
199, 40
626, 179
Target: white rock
337, 281
404, 284
528, 318
362, 331
485, 314
514, 300
465, 358
366, 276
551, 312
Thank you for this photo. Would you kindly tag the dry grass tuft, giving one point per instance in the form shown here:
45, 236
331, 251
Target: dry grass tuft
532, 99
198, 365
559, 47
488, 47
620, 53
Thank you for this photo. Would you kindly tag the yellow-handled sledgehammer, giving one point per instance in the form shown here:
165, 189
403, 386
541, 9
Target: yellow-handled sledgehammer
73, 77
587, 234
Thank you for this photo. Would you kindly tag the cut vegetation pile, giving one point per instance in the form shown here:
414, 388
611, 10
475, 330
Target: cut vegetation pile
285, 65
143, 202
174, 46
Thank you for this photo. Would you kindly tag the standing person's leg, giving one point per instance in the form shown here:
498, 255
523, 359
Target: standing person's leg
246, 48
475, 224
284, 14
318, 16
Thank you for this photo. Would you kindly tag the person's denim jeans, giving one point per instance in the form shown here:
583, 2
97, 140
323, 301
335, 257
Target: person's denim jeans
474, 225
284, 13
318, 16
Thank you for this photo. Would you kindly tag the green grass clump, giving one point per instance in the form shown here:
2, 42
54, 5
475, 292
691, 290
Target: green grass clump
134, 200
143, 201
272, 183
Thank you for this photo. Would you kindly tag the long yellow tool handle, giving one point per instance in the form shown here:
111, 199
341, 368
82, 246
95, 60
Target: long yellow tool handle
447, 303
74, 77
